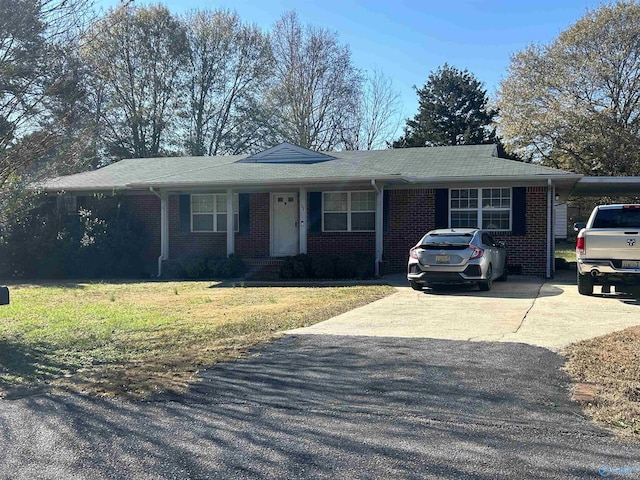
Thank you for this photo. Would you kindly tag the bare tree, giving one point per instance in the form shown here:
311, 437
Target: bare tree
33, 40
377, 118
230, 68
317, 88
137, 56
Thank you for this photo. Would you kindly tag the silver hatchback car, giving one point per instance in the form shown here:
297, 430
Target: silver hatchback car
457, 256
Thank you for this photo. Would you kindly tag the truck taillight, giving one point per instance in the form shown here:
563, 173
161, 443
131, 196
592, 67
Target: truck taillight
413, 254
580, 246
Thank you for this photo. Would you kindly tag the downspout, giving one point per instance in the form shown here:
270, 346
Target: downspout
379, 225
550, 200
161, 257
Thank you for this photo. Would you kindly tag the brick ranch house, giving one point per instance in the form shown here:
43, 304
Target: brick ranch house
289, 200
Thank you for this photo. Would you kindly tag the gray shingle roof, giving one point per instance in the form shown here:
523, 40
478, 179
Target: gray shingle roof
409, 165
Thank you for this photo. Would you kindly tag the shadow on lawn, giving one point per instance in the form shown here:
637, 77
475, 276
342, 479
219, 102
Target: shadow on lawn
25, 370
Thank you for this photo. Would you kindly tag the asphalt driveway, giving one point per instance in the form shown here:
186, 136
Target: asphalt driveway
352, 406
548, 314
328, 407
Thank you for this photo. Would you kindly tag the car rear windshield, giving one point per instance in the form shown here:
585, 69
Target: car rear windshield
447, 239
617, 218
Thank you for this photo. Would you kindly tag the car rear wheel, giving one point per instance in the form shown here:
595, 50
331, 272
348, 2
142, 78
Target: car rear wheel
416, 286
503, 277
485, 285
585, 284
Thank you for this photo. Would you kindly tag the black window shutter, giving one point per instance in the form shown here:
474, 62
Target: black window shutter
519, 213
442, 208
185, 214
385, 212
315, 212
243, 212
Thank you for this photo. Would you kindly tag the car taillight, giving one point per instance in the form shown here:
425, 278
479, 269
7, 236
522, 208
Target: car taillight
477, 252
580, 246
413, 253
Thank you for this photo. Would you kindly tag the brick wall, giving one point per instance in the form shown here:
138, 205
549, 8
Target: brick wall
529, 253
342, 242
411, 215
200, 243
257, 242
146, 208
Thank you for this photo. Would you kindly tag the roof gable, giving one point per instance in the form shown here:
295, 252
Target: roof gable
287, 153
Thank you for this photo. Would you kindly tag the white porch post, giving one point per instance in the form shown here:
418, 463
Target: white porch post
302, 221
379, 225
230, 232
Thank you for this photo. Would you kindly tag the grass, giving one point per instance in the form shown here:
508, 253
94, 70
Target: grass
135, 339
566, 251
612, 363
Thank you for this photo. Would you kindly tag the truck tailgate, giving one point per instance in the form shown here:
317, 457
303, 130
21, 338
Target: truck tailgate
612, 244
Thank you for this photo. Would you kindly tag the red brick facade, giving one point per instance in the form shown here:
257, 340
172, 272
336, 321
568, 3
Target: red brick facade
411, 213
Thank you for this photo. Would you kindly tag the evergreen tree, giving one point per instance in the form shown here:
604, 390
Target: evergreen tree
452, 110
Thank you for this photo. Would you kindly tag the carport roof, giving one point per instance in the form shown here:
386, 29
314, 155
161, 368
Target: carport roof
288, 164
600, 186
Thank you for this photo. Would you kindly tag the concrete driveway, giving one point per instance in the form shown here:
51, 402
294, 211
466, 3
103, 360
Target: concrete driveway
548, 314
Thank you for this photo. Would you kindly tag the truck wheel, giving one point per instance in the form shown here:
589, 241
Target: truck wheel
416, 286
585, 284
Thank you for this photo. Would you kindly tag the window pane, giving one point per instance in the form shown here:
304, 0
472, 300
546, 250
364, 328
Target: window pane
335, 222
464, 219
236, 222
202, 203
221, 203
455, 193
335, 202
221, 218
363, 221
455, 203
363, 201
495, 220
202, 223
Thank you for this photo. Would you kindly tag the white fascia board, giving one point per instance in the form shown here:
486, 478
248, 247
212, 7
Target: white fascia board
306, 181
543, 179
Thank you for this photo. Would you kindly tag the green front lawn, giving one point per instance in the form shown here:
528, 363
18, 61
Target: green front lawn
140, 338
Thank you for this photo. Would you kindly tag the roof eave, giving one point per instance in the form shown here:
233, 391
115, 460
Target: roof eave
253, 183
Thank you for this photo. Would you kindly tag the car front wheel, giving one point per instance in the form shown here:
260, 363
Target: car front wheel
485, 285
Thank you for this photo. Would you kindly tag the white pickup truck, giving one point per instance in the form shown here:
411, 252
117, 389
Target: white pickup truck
608, 249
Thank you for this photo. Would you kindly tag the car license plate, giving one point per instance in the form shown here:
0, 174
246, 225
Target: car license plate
443, 258
630, 264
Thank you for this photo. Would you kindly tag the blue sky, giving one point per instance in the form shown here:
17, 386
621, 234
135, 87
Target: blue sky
408, 39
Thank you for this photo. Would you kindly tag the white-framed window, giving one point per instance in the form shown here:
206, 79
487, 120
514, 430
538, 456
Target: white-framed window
349, 211
488, 208
209, 212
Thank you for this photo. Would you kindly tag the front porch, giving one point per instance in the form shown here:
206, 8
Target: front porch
263, 227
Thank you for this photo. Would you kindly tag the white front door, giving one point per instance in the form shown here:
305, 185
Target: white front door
284, 224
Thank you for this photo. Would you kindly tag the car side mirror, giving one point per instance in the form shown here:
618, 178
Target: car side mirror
4, 295
579, 226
